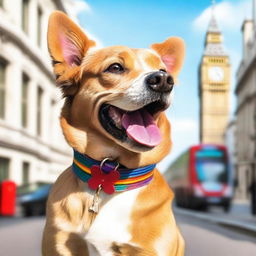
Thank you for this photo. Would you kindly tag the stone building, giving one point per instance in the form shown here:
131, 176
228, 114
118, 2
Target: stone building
214, 86
32, 147
245, 90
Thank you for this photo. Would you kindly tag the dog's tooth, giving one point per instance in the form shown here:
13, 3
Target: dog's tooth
116, 116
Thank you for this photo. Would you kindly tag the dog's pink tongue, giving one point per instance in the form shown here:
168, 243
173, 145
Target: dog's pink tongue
141, 127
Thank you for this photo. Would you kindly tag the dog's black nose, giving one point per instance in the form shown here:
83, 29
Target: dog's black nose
160, 81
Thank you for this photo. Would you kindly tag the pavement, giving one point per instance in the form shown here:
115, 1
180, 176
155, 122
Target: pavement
239, 216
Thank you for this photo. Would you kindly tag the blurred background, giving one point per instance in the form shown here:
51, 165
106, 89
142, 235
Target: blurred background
211, 167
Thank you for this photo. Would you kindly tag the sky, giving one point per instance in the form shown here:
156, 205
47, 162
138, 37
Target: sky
140, 23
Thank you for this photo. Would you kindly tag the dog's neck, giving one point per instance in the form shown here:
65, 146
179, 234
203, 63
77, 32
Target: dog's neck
111, 176
84, 140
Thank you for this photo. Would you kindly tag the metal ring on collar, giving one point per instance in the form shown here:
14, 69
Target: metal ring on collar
108, 159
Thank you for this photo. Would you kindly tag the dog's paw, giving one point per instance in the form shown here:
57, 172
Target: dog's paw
129, 250
125, 249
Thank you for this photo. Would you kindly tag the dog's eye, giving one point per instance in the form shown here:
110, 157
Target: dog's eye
115, 68
163, 70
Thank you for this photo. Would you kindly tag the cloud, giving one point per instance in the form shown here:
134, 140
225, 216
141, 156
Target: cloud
183, 125
229, 14
76, 7
82, 6
79, 6
184, 134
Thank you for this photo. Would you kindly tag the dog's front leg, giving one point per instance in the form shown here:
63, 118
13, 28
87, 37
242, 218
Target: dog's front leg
68, 218
57, 242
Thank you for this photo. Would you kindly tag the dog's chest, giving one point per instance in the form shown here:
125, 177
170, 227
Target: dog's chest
112, 223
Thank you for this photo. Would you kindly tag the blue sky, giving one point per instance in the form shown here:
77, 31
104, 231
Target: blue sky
139, 23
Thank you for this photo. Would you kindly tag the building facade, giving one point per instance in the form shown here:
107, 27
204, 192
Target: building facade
32, 147
245, 136
231, 146
214, 87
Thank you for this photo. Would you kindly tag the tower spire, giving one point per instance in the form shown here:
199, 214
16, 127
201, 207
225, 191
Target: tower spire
213, 39
213, 6
213, 26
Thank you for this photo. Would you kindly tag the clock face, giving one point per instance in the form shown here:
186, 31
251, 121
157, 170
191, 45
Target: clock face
216, 74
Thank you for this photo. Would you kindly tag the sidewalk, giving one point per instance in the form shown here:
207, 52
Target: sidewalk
239, 216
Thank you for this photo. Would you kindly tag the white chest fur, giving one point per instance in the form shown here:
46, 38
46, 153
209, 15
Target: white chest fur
112, 223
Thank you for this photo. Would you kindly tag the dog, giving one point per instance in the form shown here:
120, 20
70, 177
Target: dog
112, 201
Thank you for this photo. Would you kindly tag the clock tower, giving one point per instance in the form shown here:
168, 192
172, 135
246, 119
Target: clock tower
214, 87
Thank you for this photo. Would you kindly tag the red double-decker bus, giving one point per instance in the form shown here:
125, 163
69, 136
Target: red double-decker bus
202, 176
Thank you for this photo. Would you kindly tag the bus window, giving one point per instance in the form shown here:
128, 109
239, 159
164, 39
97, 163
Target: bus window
211, 170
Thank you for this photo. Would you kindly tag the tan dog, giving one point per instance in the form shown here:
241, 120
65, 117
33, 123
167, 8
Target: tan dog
115, 98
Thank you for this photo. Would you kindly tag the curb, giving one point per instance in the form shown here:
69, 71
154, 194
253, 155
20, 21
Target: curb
226, 222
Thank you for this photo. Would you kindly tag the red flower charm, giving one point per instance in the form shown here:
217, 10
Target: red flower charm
105, 180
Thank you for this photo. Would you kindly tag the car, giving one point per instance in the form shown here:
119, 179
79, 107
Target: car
33, 203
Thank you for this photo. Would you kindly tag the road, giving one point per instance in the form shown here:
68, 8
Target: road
23, 237
203, 238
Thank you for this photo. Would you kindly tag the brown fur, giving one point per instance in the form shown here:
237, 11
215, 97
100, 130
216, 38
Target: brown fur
149, 209
85, 87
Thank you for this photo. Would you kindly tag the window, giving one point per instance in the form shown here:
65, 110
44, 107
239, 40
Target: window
39, 110
25, 173
4, 169
24, 15
39, 25
2, 88
24, 101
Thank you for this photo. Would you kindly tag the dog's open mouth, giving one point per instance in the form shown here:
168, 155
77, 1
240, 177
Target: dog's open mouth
137, 126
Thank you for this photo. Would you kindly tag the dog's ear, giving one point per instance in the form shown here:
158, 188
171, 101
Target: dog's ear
172, 53
67, 45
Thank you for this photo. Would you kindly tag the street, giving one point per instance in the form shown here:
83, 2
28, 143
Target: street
22, 237
203, 238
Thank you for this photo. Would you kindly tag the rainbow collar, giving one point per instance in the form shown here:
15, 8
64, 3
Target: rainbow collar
126, 179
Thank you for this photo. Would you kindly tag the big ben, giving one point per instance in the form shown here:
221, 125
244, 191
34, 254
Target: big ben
214, 87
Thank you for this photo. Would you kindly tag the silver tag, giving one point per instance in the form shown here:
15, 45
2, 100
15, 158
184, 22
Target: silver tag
94, 208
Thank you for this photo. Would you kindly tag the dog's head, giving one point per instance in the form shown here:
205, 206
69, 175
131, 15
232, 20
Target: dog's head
115, 96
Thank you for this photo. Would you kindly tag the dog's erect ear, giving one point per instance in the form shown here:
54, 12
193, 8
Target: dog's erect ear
172, 53
67, 45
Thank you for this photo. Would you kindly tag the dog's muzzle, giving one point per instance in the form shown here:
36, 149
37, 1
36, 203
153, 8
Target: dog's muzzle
160, 82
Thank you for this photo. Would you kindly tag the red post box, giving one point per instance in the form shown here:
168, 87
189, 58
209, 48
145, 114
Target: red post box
7, 198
